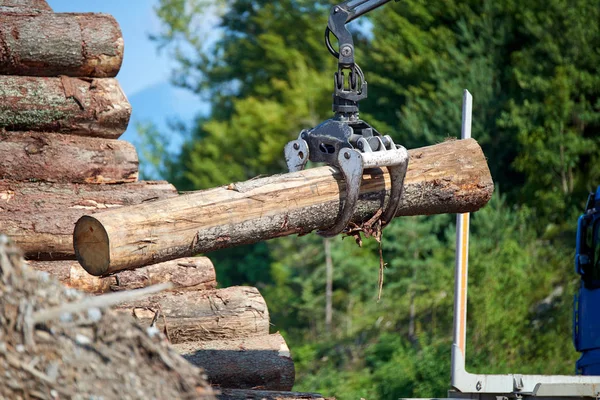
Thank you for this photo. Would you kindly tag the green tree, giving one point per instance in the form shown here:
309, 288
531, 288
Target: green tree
533, 70
536, 109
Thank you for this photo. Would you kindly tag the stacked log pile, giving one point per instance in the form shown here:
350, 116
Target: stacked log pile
61, 113
224, 331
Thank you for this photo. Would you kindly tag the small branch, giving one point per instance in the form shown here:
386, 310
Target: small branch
103, 301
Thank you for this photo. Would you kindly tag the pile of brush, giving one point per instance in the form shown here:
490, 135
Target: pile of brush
56, 342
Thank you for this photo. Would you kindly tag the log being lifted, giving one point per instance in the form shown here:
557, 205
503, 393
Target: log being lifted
86, 107
24, 6
450, 177
234, 312
48, 44
191, 273
259, 361
53, 157
241, 394
40, 216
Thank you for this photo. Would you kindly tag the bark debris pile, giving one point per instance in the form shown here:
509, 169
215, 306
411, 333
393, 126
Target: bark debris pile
93, 353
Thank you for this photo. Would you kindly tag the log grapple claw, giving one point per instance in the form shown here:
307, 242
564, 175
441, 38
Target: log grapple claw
351, 147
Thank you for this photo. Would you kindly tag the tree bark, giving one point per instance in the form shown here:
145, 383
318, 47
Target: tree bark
51, 157
260, 361
24, 6
231, 313
187, 274
451, 177
241, 394
48, 44
86, 107
40, 216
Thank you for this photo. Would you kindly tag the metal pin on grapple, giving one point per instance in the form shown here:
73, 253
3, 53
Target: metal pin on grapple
345, 141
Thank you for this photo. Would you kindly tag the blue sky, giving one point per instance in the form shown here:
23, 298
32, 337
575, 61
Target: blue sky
145, 73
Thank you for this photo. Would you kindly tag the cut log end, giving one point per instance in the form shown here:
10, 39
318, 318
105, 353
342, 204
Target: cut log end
91, 244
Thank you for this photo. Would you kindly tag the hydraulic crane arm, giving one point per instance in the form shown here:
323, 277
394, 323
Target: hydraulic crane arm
355, 89
344, 13
345, 141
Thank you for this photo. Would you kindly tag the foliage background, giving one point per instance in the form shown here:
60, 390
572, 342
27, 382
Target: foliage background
534, 70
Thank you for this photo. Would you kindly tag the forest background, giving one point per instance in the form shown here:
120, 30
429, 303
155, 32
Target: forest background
534, 71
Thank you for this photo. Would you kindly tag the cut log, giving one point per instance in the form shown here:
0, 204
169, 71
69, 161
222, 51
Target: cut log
231, 313
451, 177
90, 107
40, 217
192, 273
48, 44
262, 361
24, 6
52, 157
241, 394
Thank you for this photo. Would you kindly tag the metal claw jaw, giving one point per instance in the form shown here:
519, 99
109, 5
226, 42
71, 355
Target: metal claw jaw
352, 163
296, 154
395, 158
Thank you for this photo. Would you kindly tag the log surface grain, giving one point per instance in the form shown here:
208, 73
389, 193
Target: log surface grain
86, 107
27, 156
260, 361
231, 313
48, 44
192, 273
40, 216
451, 177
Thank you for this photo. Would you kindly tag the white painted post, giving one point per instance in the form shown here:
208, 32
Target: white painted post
462, 261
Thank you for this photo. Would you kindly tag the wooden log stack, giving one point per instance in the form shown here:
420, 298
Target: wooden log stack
224, 331
61, 113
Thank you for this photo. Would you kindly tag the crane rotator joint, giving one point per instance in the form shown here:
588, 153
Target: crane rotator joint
345, 141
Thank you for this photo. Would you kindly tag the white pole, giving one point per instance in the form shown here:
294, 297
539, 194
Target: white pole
462, 257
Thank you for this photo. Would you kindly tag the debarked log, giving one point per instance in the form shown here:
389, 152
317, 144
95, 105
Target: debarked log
189, 316
450, 177
260, 361
53, 157
245, 394
40, 216
49, 44
86, 107
191, 273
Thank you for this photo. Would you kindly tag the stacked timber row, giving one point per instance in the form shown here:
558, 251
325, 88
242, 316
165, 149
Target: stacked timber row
61, 113
224, 331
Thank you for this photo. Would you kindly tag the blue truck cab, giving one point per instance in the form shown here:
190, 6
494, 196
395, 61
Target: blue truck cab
586, 317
